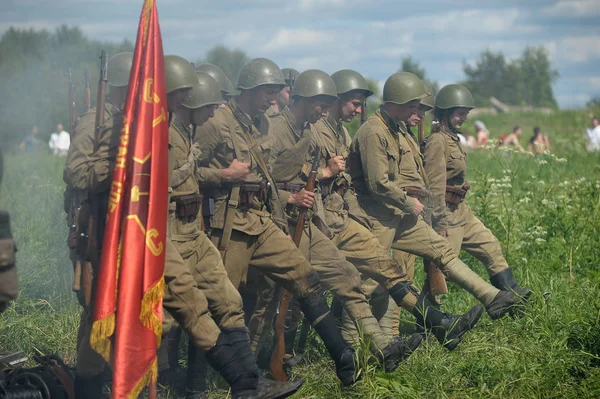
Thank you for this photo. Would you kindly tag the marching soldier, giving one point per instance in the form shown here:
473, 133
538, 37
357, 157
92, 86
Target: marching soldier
387, 171
291, 152
350, 224
248, 225
446, 169
88, 170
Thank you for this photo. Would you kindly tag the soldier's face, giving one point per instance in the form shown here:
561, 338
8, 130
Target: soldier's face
265, 96
315, 108
283, 97
409, 113
203, 114
458, 117
176, 98
352, 106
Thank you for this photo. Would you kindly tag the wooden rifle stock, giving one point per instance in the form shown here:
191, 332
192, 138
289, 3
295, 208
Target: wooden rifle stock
276, 364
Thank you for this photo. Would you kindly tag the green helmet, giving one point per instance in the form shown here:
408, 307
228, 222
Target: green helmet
259, 72
453, 96
348, 80
206, 92
180, 73
314, 83
403, 87
118, 68
218, 75
428, 101
290, 75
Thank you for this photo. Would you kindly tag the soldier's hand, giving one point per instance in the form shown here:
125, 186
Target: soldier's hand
237, 171
443, 233
336, 164
302, 199
419, 208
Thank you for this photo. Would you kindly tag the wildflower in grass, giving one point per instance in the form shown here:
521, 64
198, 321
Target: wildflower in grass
542, 161
540, 240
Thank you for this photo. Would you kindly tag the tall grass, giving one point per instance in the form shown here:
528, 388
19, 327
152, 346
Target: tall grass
544, 209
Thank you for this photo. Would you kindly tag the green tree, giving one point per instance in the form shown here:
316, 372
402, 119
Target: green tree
525, 81
412, 66
230, 61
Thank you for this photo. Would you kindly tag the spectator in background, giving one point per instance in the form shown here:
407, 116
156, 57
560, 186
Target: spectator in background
60, 141
483, 135
592, 136
512, 139
539, 142
470, 141
31, 143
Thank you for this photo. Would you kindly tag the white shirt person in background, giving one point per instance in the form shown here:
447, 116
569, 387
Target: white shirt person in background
60, 141
592, 136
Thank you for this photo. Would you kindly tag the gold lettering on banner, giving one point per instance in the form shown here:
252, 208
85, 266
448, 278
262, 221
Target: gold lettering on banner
149, 95
114, 197
156, 249
122, 149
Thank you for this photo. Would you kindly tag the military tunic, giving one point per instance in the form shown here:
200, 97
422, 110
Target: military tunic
445, 164
257, 238
291, 150
195, 248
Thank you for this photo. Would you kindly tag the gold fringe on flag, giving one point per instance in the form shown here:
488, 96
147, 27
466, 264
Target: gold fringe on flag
101, 334
150, 376
151, 298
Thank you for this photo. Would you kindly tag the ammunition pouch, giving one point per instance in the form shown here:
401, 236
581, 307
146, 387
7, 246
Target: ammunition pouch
421, 195
208, 211
187, 206
456, 195
252, 193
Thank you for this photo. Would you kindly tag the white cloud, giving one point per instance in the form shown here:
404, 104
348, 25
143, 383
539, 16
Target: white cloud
574, 8
287, 38
579, 49
309, 4
237, 39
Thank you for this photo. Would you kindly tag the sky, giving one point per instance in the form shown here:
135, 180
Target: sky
370, 36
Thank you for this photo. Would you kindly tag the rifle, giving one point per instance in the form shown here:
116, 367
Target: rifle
276, 364
91, 255
435, 277
88, 91
72, 110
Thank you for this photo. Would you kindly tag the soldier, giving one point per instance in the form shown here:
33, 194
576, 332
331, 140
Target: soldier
387, 172
350, 224
217, 74
446, 168
8, 273
248, 225
291, 151
88, 170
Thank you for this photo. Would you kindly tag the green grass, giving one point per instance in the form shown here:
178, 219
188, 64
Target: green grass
544, 209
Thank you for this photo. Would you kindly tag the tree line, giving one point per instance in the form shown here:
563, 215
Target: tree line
34, 67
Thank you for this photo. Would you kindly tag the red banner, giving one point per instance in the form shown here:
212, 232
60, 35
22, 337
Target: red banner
128, 301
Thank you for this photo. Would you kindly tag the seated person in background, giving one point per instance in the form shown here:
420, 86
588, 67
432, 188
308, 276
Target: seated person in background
512, 139
483, 135
592, 136
539, 142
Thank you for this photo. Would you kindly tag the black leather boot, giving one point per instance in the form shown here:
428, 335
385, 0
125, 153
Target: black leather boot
195, 387
504, 303
398, 351
89, 387
447, 328
315, 307
233, 359
505, 281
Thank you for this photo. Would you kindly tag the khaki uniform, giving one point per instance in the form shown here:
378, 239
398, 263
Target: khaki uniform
386, 164
292, 145
257, 238
91, 171
195, 248
445, 165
